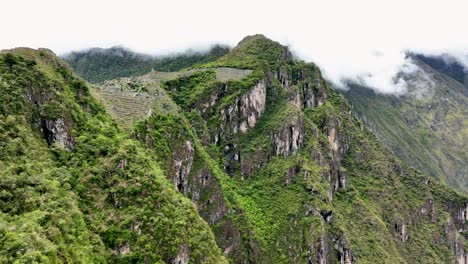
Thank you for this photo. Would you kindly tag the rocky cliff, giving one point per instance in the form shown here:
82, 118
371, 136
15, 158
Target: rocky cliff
295, 176
262, 148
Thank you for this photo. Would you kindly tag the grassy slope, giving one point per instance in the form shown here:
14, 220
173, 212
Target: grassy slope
429, 133
103, 201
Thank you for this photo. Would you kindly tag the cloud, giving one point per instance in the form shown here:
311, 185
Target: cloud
379, 70
360, 40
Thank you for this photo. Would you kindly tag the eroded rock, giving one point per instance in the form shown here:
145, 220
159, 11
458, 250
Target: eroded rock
183, 255
58, 132
244, 113
288, 139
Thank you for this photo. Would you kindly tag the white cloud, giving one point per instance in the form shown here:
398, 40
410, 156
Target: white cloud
357, 40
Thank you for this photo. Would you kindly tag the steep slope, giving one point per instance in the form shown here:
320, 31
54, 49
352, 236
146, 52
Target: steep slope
445, 64
427, 127
74, 187
131, 99
97, 64
283, 172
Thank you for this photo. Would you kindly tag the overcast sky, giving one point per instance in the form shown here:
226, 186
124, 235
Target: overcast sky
360, 40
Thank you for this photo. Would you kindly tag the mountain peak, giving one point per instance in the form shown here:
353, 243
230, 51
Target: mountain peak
255, 38
255, 50
29, 52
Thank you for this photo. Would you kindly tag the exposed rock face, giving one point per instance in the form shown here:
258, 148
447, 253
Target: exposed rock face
237, 118
339, 142
136, 227
429, 209
244, 113
181, 166
183, 255
204, 107
313, 93
254, 161
124, 249
288, 139
401, 232
323, 252
460, 253
461, 216
192, 176
346, 257
454, 237
284, 77
455, 230
58, 132
252, 105
333, 139
208, 198
462, 258
233, 157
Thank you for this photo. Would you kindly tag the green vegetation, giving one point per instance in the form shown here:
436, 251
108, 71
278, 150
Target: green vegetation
40, 219
303, 182
317, 204
253, 52
96, 65
426, 127
103, 201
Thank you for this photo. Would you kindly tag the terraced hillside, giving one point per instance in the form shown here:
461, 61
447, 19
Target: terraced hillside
131, 99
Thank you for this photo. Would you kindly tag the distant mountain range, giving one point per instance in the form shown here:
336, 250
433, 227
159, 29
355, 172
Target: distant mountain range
97, 64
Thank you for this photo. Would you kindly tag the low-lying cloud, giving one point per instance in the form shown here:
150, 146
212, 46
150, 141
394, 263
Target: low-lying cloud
379, 70
362, 41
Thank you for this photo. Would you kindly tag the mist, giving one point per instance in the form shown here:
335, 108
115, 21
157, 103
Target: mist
363, 42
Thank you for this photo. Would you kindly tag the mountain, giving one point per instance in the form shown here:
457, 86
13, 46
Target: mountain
445, 64
251, 158
97, 64
277, 164
426, 127
74, 187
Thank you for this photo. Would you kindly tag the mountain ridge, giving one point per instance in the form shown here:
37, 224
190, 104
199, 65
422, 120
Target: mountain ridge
274, 161
425, 126
72, 185
271, 129
98, 64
